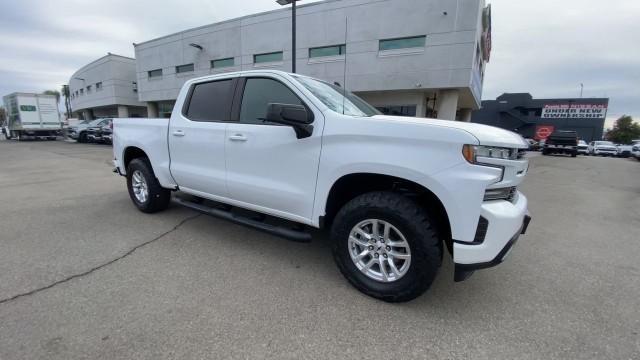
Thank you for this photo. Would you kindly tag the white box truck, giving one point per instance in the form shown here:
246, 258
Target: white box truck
32, 115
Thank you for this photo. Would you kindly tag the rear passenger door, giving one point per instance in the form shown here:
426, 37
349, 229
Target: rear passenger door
268, 168
197, 138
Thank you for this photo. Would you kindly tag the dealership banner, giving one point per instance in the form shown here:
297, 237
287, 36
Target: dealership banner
574, 111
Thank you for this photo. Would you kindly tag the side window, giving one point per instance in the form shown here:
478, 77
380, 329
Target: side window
258, 93
211, 101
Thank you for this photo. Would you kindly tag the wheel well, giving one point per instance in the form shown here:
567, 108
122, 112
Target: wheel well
131, 153
353, 185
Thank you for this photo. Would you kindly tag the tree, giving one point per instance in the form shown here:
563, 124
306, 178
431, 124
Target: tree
56, 93
67, 99
3, 115
624, 130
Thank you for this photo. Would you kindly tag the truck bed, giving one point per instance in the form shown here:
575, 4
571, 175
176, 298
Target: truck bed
147, 134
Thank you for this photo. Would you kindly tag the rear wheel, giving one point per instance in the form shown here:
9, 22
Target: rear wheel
386, 246
82, 138
144, 189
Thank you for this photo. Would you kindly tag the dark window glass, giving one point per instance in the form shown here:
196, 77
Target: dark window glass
155, 73
258, 93
184, 68
327, 51
270, 57
98, 85
211, 101
403, 43
221, 63
406, 110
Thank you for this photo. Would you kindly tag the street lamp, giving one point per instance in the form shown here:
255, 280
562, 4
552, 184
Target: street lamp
293, 30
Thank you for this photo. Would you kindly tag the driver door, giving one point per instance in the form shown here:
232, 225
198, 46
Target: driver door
268, 168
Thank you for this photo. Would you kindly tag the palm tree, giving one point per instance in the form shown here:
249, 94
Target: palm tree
56, 93
67, 99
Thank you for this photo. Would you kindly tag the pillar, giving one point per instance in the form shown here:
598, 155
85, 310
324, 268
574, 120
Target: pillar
123, 111
447, 104
152, 109
86, 114
465, 115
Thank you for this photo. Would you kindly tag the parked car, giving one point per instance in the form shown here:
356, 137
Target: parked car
541, 144
107, 133
623, 151
533, 145
292, 147
561, 142
97, 133
602, 148
635, 151
79, 131
583, 147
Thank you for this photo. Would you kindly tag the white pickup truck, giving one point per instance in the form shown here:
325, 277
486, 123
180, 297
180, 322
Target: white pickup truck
299, 152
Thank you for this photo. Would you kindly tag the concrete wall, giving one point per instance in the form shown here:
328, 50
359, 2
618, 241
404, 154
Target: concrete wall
117, 74
446, 62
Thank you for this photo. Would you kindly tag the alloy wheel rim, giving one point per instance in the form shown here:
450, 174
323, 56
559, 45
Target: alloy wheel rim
379, 250
139, 185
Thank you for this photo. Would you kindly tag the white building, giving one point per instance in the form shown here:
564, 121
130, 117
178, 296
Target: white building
106, 88
408, 57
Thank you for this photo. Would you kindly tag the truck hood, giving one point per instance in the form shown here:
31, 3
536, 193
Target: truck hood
486, 135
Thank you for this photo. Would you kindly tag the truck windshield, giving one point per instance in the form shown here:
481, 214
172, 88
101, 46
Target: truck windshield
604, 143
337, 99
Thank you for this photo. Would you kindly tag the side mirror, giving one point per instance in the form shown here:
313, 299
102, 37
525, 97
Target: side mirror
295, 116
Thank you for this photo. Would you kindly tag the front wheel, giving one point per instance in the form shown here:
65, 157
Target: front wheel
386, 246
144, 189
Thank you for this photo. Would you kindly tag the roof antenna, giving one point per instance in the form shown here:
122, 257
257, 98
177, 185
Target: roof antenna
344, 75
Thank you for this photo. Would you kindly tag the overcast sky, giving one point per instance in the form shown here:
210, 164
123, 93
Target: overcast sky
545, 47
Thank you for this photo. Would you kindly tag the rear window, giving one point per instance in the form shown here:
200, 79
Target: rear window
211, 101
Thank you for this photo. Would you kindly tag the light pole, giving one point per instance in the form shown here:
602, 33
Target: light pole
293, 30
581, 88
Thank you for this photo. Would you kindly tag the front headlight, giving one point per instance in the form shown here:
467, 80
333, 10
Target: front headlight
472, 152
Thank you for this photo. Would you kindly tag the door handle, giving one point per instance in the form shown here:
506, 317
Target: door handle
178, 133
238, 137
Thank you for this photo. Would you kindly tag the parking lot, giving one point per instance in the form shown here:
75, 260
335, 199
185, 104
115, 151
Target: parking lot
84, 275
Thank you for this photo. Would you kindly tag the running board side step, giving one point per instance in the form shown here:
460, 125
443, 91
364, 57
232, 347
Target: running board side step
294, 235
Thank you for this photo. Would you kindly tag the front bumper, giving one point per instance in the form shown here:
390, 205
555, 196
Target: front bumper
464, 271
605, 151
506, 222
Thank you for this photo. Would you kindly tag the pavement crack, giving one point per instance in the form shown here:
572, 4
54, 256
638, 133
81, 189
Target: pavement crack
112, 261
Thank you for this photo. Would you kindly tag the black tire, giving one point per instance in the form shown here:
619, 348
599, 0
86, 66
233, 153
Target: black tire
158, 198
545, 152
416, 226
82, 138
574, 154
20, 136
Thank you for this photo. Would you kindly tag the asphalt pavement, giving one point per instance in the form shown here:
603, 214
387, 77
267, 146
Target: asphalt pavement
84, 275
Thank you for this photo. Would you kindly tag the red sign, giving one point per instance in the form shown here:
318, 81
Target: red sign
543, 131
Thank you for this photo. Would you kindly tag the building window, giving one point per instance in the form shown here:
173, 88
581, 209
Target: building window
155, 73
81, 91
184, 68
88, 88
165, 108
222, 63
266, 58
403, 43
335, 50
398, 110
99, 86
